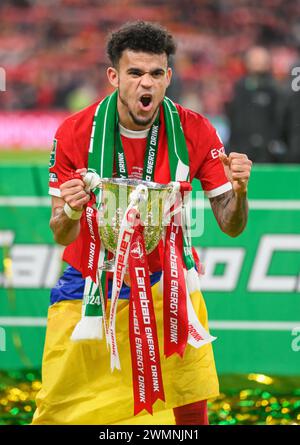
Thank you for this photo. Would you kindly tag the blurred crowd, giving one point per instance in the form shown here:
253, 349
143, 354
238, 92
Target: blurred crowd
233, 62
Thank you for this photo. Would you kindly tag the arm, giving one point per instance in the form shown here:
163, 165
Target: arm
231, 212
231, 208
64, 228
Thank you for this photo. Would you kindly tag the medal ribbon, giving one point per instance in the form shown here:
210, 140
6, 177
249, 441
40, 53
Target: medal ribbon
150, 155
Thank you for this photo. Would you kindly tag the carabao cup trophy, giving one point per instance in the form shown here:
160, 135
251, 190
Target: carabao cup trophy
131, 222
120, 197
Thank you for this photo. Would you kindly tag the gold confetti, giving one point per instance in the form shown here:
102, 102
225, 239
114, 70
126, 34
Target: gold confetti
247, 402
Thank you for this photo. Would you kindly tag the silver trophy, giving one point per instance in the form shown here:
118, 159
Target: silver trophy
116, 195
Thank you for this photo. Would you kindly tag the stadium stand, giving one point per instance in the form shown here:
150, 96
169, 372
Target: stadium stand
53, 50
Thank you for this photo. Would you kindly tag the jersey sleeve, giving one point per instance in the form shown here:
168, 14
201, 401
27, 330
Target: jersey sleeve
60, 165
211, 172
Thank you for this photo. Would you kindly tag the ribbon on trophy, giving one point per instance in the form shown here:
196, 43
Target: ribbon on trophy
91, 246
123, 247
180, 278
198, 335
90, 326
145, 357
174, 293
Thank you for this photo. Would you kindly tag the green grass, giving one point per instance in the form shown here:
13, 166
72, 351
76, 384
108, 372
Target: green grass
22, 157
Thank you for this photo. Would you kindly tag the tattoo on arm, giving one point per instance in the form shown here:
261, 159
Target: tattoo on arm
231, 212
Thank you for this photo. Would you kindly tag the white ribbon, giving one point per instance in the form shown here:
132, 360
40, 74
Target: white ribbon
198, 335
122, 252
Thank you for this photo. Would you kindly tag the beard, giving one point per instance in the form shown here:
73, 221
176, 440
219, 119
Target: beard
141, 122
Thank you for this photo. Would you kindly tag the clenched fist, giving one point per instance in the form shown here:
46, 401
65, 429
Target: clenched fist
73, 192
237, 168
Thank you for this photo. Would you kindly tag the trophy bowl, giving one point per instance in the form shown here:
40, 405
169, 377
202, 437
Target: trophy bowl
114, 199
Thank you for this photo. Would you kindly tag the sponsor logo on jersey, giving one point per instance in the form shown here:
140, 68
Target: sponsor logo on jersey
53, 154
216, 151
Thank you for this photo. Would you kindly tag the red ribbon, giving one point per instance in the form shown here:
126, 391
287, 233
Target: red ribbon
145, 358
175, 310
91, 245
176, 325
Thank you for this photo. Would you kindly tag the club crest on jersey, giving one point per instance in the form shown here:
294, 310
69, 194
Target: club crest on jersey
53, 177
53, 154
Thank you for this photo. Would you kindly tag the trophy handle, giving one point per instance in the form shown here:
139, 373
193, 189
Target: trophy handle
92, 180
139, 194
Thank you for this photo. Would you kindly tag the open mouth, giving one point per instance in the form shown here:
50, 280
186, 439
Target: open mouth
146, 100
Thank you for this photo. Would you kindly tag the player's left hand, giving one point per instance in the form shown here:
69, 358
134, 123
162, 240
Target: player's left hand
237, 168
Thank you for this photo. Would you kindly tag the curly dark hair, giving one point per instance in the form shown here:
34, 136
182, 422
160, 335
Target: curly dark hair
140, 36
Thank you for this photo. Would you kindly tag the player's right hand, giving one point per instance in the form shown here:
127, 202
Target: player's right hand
74, 194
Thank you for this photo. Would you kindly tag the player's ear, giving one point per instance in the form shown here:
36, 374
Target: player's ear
113, 76
169, 75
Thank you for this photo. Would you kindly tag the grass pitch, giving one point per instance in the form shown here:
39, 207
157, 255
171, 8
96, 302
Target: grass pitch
24, 157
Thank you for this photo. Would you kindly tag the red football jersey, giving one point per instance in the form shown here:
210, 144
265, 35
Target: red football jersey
70, 152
